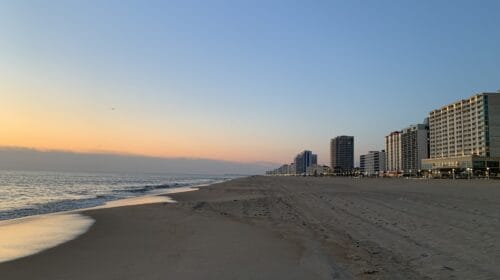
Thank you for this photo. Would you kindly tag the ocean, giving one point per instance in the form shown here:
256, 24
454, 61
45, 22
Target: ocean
27, 193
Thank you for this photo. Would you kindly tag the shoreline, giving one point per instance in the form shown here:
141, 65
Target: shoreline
121, 202
31, 235
288, 228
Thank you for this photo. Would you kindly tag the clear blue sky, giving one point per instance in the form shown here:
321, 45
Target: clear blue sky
236, 80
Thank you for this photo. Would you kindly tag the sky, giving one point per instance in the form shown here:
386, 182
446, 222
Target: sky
244, 81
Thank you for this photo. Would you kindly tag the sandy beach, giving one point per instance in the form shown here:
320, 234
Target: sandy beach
289, 228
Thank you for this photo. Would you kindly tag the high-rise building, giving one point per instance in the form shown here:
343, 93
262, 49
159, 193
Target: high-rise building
405, 149
465, 135
393, 160
342, 154
304, 160
372, 163
414, 147
314, 159
362, 163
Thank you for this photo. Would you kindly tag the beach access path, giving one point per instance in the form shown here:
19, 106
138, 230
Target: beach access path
289, 228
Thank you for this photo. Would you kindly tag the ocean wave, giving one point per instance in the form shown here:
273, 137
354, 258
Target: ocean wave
84, 202
55, 206
143, 189
33, 193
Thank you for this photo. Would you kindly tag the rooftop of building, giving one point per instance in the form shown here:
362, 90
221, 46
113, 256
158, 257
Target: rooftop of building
461, 102
342, 136
394, 133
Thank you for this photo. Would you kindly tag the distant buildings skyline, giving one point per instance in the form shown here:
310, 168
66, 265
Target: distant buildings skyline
461, 136
304, 163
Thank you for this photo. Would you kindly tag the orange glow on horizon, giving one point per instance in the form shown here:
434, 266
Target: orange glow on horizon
41, 134
48, 121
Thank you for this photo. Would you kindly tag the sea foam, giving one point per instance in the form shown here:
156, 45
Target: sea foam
27, 236
30, 235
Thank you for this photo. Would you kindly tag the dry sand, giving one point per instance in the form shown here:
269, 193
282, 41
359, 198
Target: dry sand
290, 228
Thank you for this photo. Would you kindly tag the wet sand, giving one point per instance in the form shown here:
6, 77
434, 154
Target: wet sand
289, 228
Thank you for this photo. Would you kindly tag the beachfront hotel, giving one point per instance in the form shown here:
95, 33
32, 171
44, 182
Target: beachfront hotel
405, 149
465, 137
414, 147
372, 163
393, 160
304, 160
342, 154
